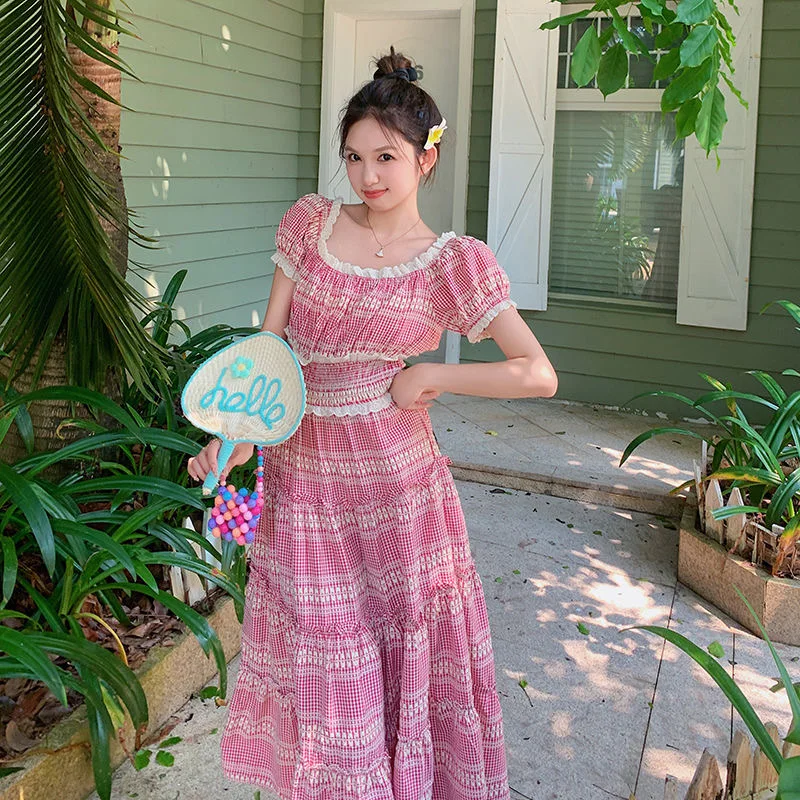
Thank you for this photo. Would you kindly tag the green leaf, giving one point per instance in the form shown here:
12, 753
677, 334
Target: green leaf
100, 662
728, 687
173, 740
735, 90
655, 7
134, 483
196, 623
698, 45
564, 20
789, 779
667, 65
794, 699
693, 11
23, 649
582, 629
670, 35
686, 118
716, 650
164, 758
196, 565
631, 42
22, 493
647, 435
689, 83
585, 57
748, 474
10, 564
711, 120
613, 70
101, 729
142, 759
207, 692
115, 711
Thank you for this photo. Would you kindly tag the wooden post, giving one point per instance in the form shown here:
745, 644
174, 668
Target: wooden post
790, 750
715, 528
734, 528
671, 788
739, 783
706, 783
701, 495
764, 774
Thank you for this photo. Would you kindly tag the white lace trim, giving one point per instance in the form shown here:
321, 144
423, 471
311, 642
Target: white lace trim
354, 409
396, 271
474, 334
289, 269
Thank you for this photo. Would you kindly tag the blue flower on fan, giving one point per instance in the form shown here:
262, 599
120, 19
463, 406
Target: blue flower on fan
241, 367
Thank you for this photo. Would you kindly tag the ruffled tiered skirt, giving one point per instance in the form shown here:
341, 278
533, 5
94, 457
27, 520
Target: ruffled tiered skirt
367, 670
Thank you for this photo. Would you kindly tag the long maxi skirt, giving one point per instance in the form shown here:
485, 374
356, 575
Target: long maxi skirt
367, 669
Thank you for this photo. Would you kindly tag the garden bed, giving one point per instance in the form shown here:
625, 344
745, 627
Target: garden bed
169, 676
708, 568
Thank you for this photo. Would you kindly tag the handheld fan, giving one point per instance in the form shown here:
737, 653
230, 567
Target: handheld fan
250, 391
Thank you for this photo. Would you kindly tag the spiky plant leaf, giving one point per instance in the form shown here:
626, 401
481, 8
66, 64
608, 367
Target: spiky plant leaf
56, 269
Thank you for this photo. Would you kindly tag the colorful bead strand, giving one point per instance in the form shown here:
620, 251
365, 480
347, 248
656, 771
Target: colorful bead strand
236, 511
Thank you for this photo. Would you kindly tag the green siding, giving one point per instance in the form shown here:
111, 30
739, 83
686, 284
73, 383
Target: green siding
219, 109
605, 352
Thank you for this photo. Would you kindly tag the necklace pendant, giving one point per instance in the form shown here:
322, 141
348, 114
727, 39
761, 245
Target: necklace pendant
380, 253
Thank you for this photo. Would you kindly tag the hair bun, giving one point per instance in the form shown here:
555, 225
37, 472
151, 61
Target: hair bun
395, 65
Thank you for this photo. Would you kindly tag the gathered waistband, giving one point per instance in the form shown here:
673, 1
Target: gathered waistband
350, 387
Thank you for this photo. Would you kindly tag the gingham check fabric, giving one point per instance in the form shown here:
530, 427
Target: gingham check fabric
367, 668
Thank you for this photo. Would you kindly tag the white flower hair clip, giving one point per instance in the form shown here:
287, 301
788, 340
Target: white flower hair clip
435, 134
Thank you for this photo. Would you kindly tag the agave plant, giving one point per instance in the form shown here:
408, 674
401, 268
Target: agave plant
97, 534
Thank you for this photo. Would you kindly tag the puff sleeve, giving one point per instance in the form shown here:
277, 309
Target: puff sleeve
296, 232
469, 288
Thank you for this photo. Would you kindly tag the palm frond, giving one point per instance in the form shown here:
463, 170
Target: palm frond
56, 267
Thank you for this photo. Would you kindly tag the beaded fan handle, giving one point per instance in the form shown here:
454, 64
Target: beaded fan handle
236, 511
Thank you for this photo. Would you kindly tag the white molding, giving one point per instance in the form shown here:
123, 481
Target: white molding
338, 44
622, 100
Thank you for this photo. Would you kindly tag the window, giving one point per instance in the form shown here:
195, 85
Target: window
617, 184
618, 224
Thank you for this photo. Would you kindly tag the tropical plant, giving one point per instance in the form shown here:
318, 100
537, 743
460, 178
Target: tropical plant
695, 42
788, 768
762, 460
59, 271
73, 551
183, 354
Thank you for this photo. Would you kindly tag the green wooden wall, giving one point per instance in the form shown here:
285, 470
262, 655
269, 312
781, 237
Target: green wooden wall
229, 108
212, 147
606, 353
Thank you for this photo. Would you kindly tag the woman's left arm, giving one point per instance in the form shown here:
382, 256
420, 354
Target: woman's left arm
526, 372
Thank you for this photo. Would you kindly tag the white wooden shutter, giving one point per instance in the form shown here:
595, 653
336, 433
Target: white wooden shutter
521, 160
717, 207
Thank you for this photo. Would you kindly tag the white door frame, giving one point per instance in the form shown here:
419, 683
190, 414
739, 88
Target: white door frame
338, 43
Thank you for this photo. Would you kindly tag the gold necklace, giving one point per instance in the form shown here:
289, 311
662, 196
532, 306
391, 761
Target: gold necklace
380, 251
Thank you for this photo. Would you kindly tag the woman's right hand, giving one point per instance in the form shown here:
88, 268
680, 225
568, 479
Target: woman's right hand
206, 460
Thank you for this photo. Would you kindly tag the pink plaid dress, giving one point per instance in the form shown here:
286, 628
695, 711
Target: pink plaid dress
367, 669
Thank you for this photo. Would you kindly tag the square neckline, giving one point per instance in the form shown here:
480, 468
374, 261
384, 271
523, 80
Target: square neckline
420, 261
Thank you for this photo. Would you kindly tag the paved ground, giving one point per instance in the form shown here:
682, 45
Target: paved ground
603, 712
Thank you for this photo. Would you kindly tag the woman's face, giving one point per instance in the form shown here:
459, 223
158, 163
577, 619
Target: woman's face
383, 171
